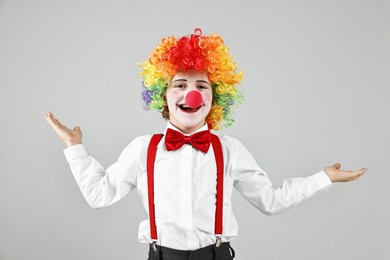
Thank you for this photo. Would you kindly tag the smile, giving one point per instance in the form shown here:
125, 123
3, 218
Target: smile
187, 109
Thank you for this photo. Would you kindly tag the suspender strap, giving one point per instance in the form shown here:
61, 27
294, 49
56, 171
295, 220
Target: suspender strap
152, 150
219, 203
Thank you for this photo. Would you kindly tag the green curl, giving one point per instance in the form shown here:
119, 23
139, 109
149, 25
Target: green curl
157, 93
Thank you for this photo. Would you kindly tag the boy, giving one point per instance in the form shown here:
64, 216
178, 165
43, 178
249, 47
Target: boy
185, 177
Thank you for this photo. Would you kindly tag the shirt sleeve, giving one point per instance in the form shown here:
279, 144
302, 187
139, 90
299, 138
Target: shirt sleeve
255, 186
102, 187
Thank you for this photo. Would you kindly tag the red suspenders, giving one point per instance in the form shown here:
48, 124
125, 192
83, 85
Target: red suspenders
152, 149
220, 174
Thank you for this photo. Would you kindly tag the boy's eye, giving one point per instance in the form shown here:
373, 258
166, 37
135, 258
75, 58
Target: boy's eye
202, 87
180, 86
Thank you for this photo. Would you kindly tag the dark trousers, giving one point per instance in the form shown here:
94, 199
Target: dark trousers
224, 252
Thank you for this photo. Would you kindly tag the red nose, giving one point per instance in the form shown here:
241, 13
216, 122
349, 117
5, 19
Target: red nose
193, 99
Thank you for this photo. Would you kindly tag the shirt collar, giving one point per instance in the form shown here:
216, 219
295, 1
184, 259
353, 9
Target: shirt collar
169, 125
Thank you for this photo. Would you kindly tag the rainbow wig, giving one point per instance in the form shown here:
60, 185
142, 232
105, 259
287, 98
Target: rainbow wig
208, 54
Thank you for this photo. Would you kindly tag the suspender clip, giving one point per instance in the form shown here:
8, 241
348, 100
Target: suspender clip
154, 245
219, 241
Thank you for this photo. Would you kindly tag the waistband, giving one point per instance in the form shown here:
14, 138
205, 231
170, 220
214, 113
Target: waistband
223, 250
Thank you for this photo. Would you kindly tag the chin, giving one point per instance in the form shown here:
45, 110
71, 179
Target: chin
188, 124
192, 124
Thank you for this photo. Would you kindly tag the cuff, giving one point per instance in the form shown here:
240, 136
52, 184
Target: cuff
323, 181
75, 151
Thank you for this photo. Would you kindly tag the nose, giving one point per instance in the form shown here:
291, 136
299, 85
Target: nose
193, 99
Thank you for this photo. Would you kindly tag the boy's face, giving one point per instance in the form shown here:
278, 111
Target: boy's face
188, 120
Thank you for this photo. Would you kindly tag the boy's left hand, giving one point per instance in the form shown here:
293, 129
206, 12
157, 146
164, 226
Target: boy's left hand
337, 175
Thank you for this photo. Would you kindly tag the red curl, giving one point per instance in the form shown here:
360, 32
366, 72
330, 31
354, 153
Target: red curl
187, 54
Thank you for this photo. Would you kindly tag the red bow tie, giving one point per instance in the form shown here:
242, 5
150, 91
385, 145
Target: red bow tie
174, 140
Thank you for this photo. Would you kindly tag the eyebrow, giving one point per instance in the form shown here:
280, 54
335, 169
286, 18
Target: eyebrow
203, 81
200, 80
179, 80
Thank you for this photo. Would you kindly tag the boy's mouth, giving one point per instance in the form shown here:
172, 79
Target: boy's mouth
187, 109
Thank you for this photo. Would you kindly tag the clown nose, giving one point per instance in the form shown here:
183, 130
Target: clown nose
193, 99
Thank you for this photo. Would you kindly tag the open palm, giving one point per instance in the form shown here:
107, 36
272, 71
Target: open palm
68, 136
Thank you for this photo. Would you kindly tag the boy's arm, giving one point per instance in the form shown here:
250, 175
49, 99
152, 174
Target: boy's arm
253, 183
102, 187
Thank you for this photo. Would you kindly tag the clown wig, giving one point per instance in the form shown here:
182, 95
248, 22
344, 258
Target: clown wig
208, 54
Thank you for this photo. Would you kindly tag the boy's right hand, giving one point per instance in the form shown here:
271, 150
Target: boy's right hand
68, 136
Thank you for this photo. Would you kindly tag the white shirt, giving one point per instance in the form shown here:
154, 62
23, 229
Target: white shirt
185, 188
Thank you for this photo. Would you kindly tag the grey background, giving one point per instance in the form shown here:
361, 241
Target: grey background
317, 92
